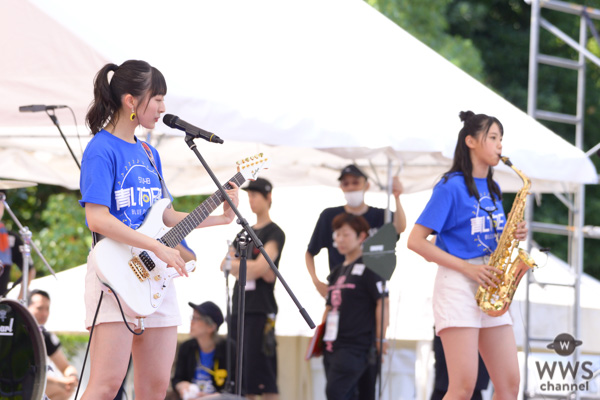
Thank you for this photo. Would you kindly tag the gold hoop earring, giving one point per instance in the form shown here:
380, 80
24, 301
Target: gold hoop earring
132, 116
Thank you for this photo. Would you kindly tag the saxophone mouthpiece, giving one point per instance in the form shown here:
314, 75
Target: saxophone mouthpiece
506, 161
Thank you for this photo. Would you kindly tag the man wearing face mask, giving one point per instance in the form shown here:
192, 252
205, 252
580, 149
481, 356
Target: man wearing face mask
354, 184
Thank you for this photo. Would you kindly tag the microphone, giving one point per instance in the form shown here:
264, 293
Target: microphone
38, 107
173, 121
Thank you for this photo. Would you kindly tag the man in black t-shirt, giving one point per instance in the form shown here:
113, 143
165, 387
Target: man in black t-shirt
57, 387
260, 357
352, 316
354, 184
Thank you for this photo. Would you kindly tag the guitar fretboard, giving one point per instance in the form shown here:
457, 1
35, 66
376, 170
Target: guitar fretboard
195, 218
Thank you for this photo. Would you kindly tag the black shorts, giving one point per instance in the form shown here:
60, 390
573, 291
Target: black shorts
260, 355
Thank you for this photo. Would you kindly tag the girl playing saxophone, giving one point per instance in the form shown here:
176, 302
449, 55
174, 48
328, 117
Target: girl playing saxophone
466, 215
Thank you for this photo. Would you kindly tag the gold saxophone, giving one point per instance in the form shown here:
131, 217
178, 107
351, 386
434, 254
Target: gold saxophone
494, 301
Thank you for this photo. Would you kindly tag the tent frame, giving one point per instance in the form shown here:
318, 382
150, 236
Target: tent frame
575, 202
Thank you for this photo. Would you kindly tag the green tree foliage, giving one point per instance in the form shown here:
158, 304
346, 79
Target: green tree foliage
426, 20
189, 203
56, 222
65, 238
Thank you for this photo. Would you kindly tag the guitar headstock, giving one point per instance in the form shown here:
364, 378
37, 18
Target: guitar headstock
249, 167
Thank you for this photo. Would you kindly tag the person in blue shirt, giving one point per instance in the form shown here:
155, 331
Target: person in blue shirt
201, 366
121, 178
466, 215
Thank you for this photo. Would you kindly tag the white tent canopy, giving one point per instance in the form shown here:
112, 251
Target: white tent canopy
332, 75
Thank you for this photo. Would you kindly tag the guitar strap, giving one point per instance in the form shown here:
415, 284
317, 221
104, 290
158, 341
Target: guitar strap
165, 191
96, 237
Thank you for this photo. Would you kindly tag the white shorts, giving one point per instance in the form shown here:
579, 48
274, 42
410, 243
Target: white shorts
454, 303
166, 315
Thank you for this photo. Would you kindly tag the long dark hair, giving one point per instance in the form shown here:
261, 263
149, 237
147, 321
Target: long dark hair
475, 125
134, 77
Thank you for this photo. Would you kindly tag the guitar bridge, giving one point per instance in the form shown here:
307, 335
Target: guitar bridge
138, 269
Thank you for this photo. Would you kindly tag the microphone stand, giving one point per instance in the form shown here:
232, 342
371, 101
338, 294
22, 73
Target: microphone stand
228, 318
380, 340
55, 121
25, 249
242, 243
189, 140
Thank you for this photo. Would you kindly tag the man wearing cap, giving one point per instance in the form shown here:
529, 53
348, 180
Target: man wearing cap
260, 357
201, 365
354, 184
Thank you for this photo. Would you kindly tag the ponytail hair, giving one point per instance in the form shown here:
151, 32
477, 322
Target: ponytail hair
475, 125
134, 77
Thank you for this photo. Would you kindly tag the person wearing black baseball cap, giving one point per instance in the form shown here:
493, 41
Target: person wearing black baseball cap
201, 365
354, 183
259, 375
261, 186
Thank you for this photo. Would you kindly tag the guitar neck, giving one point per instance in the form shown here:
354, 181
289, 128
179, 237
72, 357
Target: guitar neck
195, 218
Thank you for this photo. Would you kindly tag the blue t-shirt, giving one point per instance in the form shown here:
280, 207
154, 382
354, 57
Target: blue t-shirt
119, 175
202, 377
464, 225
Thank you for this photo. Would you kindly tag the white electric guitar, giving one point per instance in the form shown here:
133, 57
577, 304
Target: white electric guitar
137, 276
